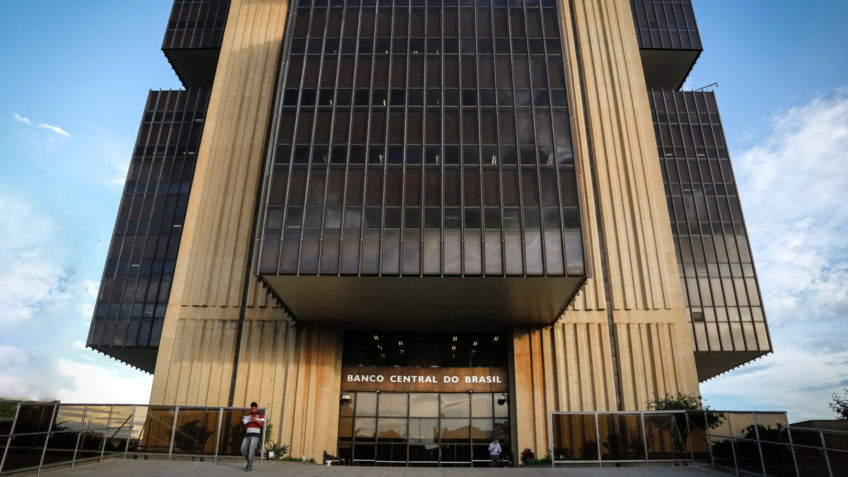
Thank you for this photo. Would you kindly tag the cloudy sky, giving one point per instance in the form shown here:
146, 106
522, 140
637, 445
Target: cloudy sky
75, 76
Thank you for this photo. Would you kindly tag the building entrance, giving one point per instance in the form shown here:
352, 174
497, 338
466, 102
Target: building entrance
441, 414
421, 429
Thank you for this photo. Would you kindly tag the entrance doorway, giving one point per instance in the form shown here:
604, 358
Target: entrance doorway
423, 399
421, 429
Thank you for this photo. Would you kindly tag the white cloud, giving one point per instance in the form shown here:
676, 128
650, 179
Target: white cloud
794, 378
25, 374
55, 129
13, 356
88, 300
794, 186
42, 295
21, 119
30, 276
119, 173
32, 375
108, 383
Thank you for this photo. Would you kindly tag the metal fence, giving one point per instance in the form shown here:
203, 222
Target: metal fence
34, 436
744, 443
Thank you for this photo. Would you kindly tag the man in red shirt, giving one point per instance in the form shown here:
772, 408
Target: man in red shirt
255, 421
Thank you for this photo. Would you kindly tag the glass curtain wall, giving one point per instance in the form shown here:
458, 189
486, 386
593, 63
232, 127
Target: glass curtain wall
422, 138
666, 24
713, 253
448, 429
136, 283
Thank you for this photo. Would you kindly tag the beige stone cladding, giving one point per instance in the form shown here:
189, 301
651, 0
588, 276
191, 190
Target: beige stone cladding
625, 339
293, 372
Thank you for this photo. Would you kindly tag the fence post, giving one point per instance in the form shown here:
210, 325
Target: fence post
79, 436
689, 436
644, 436
11, 436
759, 444
826, 456
709, 438
47, 437
218, 435
792, 448
732, 445
108, 424
264, 433
550, 437
173, 431
597, 438
129, 436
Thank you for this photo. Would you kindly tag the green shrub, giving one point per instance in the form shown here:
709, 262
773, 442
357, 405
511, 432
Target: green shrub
279, 450
677, 402
7, 408
528, 458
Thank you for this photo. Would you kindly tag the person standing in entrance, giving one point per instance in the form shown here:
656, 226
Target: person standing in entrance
495, 453
255, 422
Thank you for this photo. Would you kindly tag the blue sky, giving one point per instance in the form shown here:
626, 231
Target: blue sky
75, 76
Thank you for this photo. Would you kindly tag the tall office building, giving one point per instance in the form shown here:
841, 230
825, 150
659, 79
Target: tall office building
409, 226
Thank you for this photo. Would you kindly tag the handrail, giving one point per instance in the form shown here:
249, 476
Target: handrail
819, 429
121, 426
14, 455
622, 448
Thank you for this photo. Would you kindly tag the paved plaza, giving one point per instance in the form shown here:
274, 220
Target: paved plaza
139, 468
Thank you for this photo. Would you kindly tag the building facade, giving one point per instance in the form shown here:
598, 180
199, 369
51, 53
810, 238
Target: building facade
407, 227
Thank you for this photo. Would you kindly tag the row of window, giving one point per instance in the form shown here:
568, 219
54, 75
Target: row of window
731, 335
711, 249
394, 187
417, 47
112, 310
421, 3
196, 24
140, 266
684, 227
431, 218
157, 187
129, 330
126, 290
487, 72
692, 118
687, 176
434, 99
706, 138
185, 137
665, 24
688, 189
716, 270
423, 405
504, 128
177, 116
694, 208
433, 253
721, 291
433, 156
155, 163
149, 226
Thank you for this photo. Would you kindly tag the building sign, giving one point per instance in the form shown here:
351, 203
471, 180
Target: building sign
374, 378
